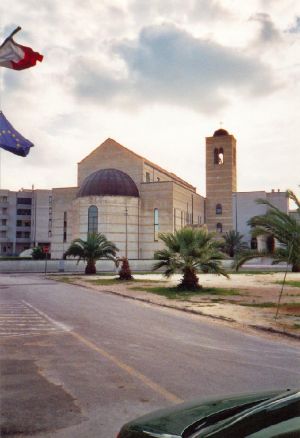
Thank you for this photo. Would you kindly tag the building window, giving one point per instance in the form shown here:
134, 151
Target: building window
156, 225
219, 156
27, 234
18, 234
253, 243
3, 221
3, 234
218, 209
3, 198
147, 177
65, 227
23, 212
219, 227
92, 219
50, 199
24, 201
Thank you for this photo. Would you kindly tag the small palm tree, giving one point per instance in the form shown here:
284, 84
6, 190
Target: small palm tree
189, 251
284, 228
233, 243
94, 248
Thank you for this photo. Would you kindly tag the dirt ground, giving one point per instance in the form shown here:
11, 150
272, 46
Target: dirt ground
253, 301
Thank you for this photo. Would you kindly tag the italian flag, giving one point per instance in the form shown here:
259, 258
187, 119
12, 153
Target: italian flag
15, 56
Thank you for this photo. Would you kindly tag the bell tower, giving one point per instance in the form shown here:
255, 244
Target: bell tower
220, 181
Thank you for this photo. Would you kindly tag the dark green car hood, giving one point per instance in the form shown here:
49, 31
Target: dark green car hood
175, 421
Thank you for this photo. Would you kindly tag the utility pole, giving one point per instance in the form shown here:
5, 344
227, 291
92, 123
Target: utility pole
126, 232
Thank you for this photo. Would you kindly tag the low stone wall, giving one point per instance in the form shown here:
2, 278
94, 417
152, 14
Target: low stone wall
38, 266
7, 266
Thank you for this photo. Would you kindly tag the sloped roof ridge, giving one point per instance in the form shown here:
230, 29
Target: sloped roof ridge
156, 166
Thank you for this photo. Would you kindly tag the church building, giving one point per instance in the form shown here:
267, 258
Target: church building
128, 198
131, 200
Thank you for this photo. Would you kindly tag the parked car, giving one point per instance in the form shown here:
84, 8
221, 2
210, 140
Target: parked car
260, 415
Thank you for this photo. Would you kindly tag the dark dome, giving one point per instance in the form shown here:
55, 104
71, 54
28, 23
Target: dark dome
220, 132
109, 182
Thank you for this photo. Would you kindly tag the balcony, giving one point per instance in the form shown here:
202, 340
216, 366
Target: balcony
4, 204
3, 227
23, 239
23, 228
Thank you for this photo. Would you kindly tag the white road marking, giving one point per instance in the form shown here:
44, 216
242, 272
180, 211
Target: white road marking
19, 318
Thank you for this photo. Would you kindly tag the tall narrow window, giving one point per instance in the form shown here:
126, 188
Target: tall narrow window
156, 225
216, 156
219, 227
219, 156
92, 219
253, 243
65, 227
218, 209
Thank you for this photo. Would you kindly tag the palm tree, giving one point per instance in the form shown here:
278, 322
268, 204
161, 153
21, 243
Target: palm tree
189, 251
233, 243
94, 248
282, 227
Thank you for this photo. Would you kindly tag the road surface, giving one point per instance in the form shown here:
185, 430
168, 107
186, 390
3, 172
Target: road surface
79, 363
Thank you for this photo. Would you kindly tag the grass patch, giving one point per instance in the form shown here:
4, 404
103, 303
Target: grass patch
267, 304
293, 283
253, 272
110, 281
174, 293
63, 279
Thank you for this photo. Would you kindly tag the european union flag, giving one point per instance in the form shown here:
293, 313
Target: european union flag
11, 140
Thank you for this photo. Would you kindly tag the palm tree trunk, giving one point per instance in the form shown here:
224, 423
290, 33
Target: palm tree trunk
296, 268
190, 279
90, 268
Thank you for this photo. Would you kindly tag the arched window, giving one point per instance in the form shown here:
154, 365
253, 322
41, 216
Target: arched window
218, 209
216, 156
92, 219
219, 227
253, 243
270, 243
219, 156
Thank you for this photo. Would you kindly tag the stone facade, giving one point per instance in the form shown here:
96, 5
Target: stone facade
165, 203
161, 202
220, 181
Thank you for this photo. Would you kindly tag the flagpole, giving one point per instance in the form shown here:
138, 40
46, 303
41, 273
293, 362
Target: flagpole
11, 35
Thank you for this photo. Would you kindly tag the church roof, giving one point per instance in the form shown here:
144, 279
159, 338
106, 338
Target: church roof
146, 161
220, 132
108, 182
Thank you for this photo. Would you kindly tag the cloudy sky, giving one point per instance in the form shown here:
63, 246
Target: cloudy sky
157, 76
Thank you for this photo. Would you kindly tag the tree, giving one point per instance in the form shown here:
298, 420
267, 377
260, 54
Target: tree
282, 227
94, 248
125, 271
37, 253
233, 243
189, 251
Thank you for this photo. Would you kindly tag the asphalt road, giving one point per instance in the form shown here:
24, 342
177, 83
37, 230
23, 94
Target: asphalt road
78, 363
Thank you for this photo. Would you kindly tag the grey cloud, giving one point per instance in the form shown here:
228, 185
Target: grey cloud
296, 27
168, 65
268, 32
